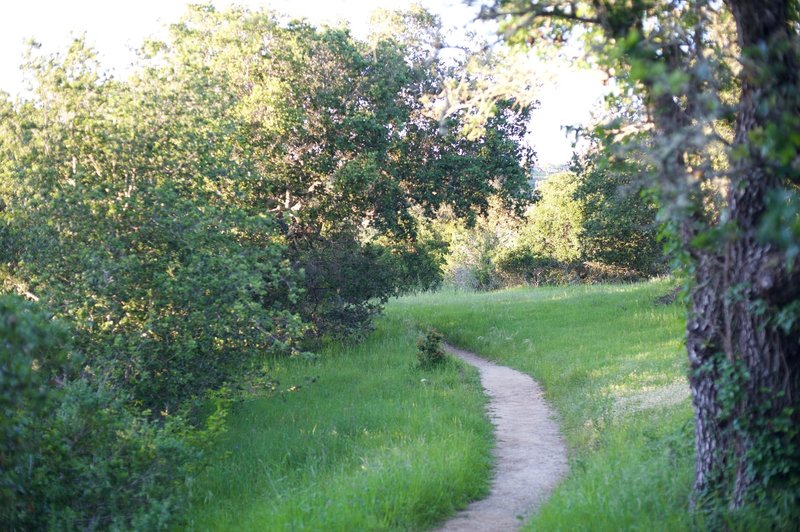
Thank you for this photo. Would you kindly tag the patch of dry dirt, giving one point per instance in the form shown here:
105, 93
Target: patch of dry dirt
530, 454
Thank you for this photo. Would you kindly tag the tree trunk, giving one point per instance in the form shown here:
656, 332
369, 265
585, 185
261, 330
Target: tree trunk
744, 369
703, 343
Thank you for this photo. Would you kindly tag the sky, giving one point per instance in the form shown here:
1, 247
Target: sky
116, 27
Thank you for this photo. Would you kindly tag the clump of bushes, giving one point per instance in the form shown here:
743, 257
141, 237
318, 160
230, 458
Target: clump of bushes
520, 266
430, 352
470, 262
72, 454
587, 227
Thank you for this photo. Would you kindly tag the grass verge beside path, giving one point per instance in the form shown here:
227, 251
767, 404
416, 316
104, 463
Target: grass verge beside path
611, 361
366, 446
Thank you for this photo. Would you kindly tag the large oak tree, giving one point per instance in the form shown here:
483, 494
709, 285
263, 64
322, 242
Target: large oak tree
347, 158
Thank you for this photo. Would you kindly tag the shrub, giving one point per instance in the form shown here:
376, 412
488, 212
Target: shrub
555, 223
31, 353
522, 266
103, 466
71, 455
347, 281
430, 352
470, 262
587, 228
172, 282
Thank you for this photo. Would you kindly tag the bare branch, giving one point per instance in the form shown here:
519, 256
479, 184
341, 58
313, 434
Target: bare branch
491, 13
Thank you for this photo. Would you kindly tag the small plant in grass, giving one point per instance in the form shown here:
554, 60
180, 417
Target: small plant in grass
430, 352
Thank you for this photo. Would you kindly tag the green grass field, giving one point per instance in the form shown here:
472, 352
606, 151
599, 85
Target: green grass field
370, 446
366, 446
611, 362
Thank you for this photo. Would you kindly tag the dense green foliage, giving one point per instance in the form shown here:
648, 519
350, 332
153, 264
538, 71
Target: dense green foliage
619, 225
469, 261
254, 187
27, 336
117, 218
556, 221
72, 455
593, 224
335, 129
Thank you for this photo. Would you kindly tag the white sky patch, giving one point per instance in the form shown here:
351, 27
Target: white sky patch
116, 28
567, 99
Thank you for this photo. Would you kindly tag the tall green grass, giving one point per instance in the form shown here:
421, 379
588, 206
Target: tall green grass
362, 443
611, 361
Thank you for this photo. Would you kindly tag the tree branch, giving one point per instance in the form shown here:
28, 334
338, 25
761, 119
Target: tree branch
490, 13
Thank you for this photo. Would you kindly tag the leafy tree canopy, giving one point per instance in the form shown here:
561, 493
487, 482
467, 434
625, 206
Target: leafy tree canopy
336, 129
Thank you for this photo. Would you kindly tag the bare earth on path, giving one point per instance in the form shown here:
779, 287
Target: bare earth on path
530, 454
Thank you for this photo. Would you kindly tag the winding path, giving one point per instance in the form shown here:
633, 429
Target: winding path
530, 454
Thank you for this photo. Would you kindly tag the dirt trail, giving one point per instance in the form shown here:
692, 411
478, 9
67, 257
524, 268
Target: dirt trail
530, 454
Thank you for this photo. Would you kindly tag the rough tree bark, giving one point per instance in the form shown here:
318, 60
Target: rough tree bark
752, 268
726, 334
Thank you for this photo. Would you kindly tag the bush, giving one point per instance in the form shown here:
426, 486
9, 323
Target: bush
71, 455
430, 352
103, 466
347, 281
587, 228
171, 280
32, 354
554, 224
521, 266
470, 262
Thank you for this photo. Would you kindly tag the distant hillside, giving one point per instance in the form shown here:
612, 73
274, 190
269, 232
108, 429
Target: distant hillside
541, 173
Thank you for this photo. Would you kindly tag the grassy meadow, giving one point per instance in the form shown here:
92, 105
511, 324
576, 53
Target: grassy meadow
611, 361
369, 445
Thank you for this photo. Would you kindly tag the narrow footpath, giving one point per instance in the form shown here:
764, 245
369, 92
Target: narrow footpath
530, 454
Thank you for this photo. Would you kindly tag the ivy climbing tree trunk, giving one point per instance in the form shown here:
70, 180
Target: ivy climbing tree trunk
743, 368
702, 344
757, 280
